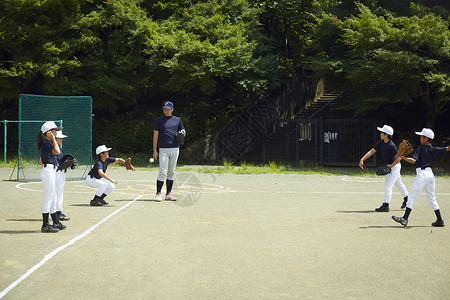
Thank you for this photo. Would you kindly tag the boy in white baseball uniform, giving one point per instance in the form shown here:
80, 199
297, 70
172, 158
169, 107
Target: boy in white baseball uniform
46, 143
424, 158
389, 154
60, 180
97, 177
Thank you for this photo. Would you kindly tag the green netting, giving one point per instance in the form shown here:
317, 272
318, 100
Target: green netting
74, 113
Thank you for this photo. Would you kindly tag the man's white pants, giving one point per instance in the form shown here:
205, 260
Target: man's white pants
167, 163
59, 188
48, 178
424, 179
103, 186
394, 178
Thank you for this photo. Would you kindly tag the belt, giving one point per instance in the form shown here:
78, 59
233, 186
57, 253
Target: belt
65, 171
52, 165
423, 169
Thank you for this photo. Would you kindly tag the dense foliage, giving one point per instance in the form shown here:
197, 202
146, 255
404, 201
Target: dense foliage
402, 58
213, 57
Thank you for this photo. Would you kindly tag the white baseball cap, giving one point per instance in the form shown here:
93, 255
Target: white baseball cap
386, 129
49, 126
60, 135
101, 148
426, 132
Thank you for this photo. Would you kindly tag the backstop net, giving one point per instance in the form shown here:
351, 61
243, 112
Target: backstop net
74, 113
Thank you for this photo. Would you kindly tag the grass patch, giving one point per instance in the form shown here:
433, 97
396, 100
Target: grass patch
10, 163
141, 162
274, 168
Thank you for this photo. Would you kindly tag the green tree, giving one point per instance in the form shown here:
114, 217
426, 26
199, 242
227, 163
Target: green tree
32, 37
108, 41
212, 52
206, 42
289, 24
407, 58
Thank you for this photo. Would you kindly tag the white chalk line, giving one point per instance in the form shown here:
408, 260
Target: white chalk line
362, 180
316, 192
186, 188
59, 249
182, 187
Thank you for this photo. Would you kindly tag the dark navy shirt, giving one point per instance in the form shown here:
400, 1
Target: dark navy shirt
426, 154
167, 127
61, 154
47, 156
388, 150
99, 164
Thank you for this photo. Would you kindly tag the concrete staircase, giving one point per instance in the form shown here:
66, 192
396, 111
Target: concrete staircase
322, 107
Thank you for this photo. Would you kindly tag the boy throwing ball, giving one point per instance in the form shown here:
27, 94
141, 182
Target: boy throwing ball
423, 159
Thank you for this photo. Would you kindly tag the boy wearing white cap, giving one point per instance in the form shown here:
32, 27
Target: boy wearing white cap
60, 179
388, 152
97, 177
424, 158
46, 143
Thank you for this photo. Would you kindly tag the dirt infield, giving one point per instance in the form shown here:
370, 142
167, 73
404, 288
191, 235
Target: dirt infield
227, 237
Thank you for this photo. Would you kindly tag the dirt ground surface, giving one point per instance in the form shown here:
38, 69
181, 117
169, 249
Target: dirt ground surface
272, 236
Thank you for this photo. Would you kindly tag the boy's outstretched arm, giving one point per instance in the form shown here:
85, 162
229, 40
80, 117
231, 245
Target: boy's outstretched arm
366, 156
408, 159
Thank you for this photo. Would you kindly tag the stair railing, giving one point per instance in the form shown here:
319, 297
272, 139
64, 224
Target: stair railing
329, 103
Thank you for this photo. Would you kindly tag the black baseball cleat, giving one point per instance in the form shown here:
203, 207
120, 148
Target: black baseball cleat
94, 202
438, 223
103, 202
48, 229
101, 199
382, 208
59, 226
63, 217
400, 220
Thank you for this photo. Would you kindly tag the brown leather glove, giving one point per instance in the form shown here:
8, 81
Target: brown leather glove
128, 164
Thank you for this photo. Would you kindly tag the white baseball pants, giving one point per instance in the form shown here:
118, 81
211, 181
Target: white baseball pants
59, 188
48, 178
103, 186
168, 158
394, 178
424, 179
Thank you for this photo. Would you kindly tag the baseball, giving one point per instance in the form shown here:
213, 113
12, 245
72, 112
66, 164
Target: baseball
151, 160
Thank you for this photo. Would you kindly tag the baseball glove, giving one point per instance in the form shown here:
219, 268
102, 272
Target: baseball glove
128, 164
67, 161
383, 170
179, 137
405, 148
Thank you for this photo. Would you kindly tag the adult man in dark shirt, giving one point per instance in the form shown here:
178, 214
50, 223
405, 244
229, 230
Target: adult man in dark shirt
165, 129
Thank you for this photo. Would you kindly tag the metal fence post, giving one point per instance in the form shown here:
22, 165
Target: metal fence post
5, 124
297, 125
321, 142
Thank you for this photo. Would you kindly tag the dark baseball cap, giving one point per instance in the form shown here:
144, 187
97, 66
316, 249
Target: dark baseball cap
168, 105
